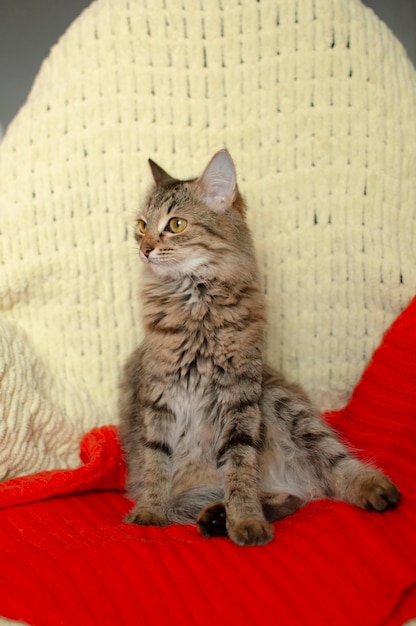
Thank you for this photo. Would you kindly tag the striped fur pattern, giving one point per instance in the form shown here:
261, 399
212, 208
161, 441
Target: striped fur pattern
211, 434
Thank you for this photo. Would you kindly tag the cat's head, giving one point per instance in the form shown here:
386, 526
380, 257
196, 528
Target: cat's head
195, 227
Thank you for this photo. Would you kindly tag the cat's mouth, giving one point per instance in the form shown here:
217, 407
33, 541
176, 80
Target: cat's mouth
158, 263
144, 257
151, 256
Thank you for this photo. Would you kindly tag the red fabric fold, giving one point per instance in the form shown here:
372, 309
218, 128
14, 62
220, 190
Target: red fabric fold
67, 558
102, 468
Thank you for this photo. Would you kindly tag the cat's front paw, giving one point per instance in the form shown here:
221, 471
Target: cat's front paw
377, 493
144, 517
251, 532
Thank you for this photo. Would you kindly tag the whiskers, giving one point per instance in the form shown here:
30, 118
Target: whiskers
165, 254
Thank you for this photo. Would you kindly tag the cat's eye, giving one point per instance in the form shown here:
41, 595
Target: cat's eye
176, 225
141, 226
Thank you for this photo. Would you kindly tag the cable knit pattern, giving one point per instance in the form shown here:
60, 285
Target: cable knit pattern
41, 430
316, 102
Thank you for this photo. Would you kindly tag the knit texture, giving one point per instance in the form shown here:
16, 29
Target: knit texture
68, 559
316, 103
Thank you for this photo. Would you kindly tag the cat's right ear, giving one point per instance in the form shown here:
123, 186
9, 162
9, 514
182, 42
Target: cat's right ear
160, 176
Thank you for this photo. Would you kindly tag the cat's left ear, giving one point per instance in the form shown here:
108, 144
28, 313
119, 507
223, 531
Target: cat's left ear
218, 182
160, 176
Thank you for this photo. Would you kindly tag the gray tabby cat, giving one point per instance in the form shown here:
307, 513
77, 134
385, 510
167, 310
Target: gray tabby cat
211, 434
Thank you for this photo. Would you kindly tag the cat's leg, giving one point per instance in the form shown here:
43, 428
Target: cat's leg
149, 464
238, 461
337, 473
364, 486
319, 459
149, 469
145, 426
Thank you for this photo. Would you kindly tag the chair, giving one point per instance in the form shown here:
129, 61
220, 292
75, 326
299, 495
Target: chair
316, 102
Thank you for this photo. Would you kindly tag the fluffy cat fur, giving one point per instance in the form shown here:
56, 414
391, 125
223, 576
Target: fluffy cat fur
211, 434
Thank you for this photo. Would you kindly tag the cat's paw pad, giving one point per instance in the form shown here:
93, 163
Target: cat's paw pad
211, 521
145, 518
251, 532
378, 493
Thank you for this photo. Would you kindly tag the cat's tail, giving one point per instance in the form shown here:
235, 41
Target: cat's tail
185, 507
277, 506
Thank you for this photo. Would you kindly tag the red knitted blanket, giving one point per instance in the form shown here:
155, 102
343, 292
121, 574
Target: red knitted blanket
67, 558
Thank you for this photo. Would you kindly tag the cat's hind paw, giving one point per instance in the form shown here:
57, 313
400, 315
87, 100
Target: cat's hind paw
212, 519
378, 493
145, 518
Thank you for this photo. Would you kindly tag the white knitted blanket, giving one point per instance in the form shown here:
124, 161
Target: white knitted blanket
316, 103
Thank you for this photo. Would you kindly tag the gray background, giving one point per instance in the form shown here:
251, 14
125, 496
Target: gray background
29, 28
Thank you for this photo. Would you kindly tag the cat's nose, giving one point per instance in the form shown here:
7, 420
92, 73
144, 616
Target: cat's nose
145, 251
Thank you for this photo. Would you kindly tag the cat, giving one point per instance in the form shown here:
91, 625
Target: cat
211, 434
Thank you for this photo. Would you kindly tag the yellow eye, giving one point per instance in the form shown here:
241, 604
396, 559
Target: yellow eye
141, 226
176, 225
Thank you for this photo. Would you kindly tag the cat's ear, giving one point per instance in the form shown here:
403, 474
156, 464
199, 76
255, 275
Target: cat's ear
218, 182
160, 176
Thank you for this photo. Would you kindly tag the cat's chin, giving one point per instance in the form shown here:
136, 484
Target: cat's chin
163, 270
200, 272
179, 269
